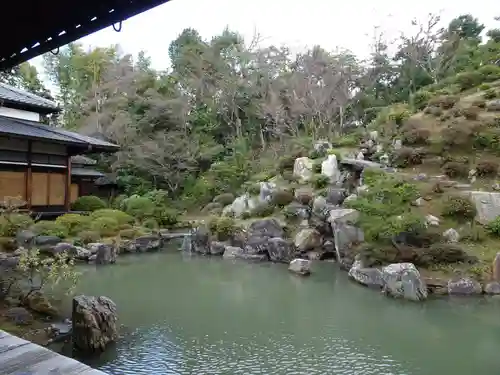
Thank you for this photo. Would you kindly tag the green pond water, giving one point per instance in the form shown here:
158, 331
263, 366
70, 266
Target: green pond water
198, 315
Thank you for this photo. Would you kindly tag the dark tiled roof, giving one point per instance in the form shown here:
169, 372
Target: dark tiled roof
86, 172
36, 130
83, 160
16, 95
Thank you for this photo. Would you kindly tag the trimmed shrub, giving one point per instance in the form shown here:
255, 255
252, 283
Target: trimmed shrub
213, 207
128, 234
304, 196
120, 216
139, 207
166, 217
435, 111
223, 228
88, 203
150, 224
489, 73
487, 168
224, 199
454, 169
7, 244
281, 197
406, 157
468, 80
11, 224
289, 176
471, 113
106, 226
317, 166
320, 181
421, 98
459, 208
479, 103
74, 223
493, 227
89, 236
262, 210
415, 136
252, 189
286, 163
444, 101
490, 94
50, 228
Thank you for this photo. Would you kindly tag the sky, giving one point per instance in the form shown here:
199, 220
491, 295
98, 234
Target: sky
298, 24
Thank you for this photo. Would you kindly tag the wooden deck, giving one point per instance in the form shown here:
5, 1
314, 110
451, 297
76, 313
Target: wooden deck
21, 357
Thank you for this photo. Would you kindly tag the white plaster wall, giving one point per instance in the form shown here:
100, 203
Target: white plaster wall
19, 113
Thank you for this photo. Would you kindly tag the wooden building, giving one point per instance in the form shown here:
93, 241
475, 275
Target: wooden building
35, 159
88, 181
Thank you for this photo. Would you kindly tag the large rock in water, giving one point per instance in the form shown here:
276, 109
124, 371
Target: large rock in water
402, 280
370, 277
94, 323
300, 267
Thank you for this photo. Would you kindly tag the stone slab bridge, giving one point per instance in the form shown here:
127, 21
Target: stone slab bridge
21, 357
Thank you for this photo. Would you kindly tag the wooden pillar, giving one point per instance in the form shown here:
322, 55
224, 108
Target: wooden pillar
67, 190
29, 178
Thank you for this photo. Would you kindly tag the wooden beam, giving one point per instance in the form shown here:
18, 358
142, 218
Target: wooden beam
29, 178
67, 190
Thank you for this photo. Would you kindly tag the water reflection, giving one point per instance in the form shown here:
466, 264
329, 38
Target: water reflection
207, 316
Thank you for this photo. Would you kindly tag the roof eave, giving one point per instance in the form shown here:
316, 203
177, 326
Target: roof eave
43, 110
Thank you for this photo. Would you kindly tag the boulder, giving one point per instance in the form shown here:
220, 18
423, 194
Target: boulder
370, 277
432, 221
402, 280
268, 227
330, 169
94, 323
106, 254
234, 252
280, 250
300, 267
487, 205
304, 195
39, 303
217, 248
19, 315
266, 191
464, 286
148, 243
451, 235
307, 239
81, 253
46, 244
322, 146
200, 240
303, 168
298, 210
492, 288
343, 215
335, 196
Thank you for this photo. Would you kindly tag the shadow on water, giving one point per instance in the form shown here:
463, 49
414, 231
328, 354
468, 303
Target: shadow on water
199, 315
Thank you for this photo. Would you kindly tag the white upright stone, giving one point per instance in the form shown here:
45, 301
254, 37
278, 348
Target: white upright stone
330, 168
303, 168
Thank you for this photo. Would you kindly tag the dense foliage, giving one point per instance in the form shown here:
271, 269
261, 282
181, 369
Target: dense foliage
228, 110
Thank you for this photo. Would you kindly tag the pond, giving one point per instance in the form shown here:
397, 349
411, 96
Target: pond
197, 315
